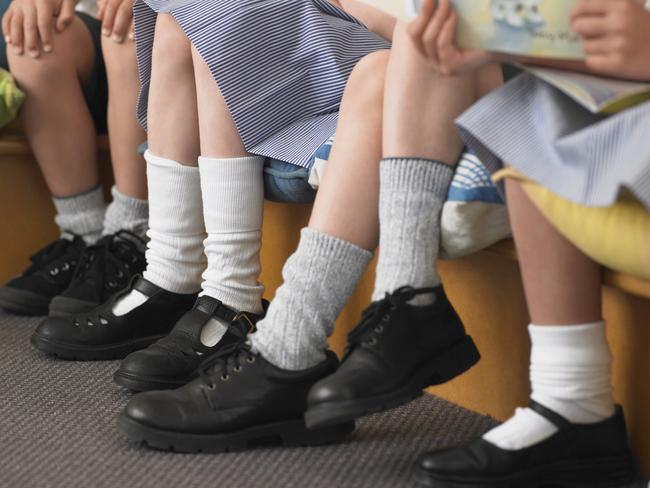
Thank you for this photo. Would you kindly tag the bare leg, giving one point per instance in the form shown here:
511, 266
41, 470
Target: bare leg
123, 128
172, 113
563, 286
348, 198
57, 121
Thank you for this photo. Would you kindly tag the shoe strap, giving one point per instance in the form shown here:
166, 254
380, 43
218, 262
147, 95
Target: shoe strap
553, 417
145, 287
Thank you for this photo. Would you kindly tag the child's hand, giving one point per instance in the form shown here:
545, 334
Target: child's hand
616, 37
28, 24
117, 19
434, 34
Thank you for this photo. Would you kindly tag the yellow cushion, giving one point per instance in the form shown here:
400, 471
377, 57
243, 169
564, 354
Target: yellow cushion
618, 237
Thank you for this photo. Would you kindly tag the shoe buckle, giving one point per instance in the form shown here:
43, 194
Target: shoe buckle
243, 315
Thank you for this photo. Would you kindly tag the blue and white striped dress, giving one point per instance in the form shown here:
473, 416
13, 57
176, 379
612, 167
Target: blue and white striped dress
583, 157
281, 65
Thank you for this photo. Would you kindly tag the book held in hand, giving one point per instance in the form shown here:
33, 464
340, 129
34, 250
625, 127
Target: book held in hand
536, 28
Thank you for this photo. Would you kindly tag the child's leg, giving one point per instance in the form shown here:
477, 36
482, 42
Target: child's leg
570, 360
571, 433
129, 209
343, 231
421, 148
60, 128
175, 257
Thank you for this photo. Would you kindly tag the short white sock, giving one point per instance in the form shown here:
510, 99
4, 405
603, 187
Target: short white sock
129, 302
570, 373
233, 207
213, 331
175, 258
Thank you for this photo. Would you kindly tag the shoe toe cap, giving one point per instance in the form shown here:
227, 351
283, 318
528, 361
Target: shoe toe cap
59, 328
157, 409
329, 390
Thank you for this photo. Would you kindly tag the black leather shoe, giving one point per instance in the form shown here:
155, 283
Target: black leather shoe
51, 272
104, 269
397, 350
173, 361
239, 401
100, 334
577, 456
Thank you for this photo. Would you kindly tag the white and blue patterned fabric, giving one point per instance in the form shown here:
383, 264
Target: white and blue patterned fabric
580, 156
281, 65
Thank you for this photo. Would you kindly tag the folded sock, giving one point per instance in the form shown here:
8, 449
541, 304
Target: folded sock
233, 207
175, 257
570, 373
411, 195
81, 214
126, 213
318, 281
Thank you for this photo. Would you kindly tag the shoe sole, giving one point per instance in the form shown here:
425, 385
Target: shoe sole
61, 306
75, 352
23, 302
446, 366
141, 383
612, 472
292, 433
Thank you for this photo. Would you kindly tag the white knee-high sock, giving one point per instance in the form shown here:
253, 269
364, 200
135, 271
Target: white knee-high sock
175, 258
233, 207
570, 373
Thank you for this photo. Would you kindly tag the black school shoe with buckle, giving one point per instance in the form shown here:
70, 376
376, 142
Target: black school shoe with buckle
50, 273
174, 360
393, 354
101, 335
577, 456
104, 269
239, 401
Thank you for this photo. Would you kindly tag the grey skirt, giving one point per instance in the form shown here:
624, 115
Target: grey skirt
544, 134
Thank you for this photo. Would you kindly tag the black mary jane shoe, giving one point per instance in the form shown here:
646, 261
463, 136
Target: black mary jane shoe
173, 361
104, 269
395, 352
239, 401
51, 271
101, 335
577, 456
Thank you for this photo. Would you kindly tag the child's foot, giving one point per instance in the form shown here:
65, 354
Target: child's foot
397, 350
577, 455
173, 361
101, 334
50, 273
105, 268
239, 401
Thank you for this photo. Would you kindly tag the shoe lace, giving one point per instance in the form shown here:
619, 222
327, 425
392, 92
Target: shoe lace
111, 261
373, 318
229, 357
51, 254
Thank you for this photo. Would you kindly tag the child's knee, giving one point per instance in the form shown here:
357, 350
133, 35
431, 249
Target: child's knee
73, 55
171, 48
366, 83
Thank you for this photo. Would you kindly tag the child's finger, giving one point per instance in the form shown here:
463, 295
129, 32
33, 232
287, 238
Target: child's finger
446, 45
602, 63
44, 17
66, 15
417, 27
17, 32
122, 22
586, 8
587, 27
596, 47
6, 25
31, 32
132, 30
109, 18
430, 36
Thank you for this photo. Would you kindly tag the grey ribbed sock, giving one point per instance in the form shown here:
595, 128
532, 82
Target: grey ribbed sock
318, 281
81, 214
126, 213
412, 192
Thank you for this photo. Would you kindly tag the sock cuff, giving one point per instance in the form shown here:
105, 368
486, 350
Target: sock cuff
126, 213
404, 174
579, 336
318, 244
138, 205
161, 162
81, 214
87, 200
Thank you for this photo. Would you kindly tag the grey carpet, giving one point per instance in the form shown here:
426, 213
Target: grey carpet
57, 429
